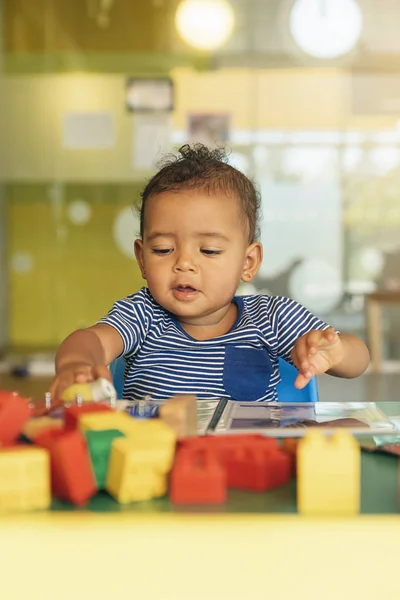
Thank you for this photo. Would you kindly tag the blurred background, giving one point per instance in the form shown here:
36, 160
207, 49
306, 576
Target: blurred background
305, 95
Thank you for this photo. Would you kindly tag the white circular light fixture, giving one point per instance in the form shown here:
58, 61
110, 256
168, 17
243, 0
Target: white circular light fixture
205, 24
125, 229
79, 212
326, 28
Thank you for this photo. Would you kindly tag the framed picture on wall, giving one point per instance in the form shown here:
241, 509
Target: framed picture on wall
149, 95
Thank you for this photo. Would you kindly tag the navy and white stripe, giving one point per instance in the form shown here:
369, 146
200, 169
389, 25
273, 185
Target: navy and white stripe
163, 360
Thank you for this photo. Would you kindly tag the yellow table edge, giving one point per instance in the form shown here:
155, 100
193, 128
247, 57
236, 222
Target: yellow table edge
185, 556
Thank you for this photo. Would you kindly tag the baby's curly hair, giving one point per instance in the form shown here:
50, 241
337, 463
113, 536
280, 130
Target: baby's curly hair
198, 167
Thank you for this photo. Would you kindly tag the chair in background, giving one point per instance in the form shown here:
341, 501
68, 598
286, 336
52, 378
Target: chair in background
117, 369
286, 390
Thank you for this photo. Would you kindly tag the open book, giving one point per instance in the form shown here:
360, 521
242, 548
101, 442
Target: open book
293, 419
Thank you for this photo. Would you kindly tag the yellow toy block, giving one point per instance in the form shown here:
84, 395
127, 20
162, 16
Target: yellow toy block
100, 389
109, 420
328, 474
139, 466
24, 479
34, 426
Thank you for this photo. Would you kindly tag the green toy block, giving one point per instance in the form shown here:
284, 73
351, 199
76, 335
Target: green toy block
99, 446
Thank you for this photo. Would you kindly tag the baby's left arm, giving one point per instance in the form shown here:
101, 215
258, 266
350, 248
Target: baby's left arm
325, 351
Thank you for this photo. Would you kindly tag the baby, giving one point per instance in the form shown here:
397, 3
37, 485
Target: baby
187, 332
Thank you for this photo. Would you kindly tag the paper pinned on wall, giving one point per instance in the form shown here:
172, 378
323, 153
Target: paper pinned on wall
151, 139
88, 130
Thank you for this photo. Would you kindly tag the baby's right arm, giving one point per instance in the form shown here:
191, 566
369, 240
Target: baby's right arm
84, 355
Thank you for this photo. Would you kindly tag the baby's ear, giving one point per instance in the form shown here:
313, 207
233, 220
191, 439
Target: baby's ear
138, 248
252, 261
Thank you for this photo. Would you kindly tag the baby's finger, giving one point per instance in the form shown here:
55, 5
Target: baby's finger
303, 351
329, 336
302, 380
84, 374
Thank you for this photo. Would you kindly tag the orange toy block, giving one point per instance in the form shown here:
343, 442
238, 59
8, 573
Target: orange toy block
197, 477
180, 413
14, 413
75, 412
72, 477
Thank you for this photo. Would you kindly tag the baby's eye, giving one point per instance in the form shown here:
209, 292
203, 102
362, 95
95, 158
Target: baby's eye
162, 251
208, 252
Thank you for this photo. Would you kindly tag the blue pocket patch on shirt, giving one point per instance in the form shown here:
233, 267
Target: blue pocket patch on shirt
247, 373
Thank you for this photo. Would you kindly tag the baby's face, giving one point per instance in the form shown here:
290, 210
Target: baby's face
193, 254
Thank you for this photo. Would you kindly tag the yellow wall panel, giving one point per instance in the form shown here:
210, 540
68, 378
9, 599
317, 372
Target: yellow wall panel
77, 271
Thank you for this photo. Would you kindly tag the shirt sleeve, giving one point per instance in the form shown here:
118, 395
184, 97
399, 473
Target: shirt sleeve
130, 317
290, 320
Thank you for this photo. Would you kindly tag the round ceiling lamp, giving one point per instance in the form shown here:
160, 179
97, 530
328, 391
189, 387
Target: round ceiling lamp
205, 24
326, 28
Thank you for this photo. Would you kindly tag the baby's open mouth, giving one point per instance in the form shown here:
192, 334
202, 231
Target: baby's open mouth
185, 288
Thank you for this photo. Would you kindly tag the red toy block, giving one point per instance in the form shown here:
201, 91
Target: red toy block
72, 413
197, 478
289, 446
14, 413
72, 477
258, 466
217, 441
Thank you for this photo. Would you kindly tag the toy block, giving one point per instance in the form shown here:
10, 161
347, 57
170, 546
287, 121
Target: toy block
34, 426
153, 432
138, 472
72, 477
258, 465
289, 446
14, 413
197, 477
73, 413
328, 474
218, 441
99, 446
110, 420
24, 478
100, 389
180, 413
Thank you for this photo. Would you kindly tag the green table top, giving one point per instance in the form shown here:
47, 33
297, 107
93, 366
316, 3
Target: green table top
379, 491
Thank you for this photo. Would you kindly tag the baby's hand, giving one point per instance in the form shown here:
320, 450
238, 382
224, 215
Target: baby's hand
316, 352
77, 373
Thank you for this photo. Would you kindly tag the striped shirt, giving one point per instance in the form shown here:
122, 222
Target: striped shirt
162, 360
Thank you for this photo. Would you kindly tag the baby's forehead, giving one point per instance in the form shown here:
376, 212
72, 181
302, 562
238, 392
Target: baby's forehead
199, 203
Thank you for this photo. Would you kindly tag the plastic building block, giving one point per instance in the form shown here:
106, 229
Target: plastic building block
328, 474
73, 413
180, 413
138, 468
14, 413
72, 477
100, 389
99, 445
258, 466
34, 426
197, 477
290, 446
153, 432
110, 420
24, 478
